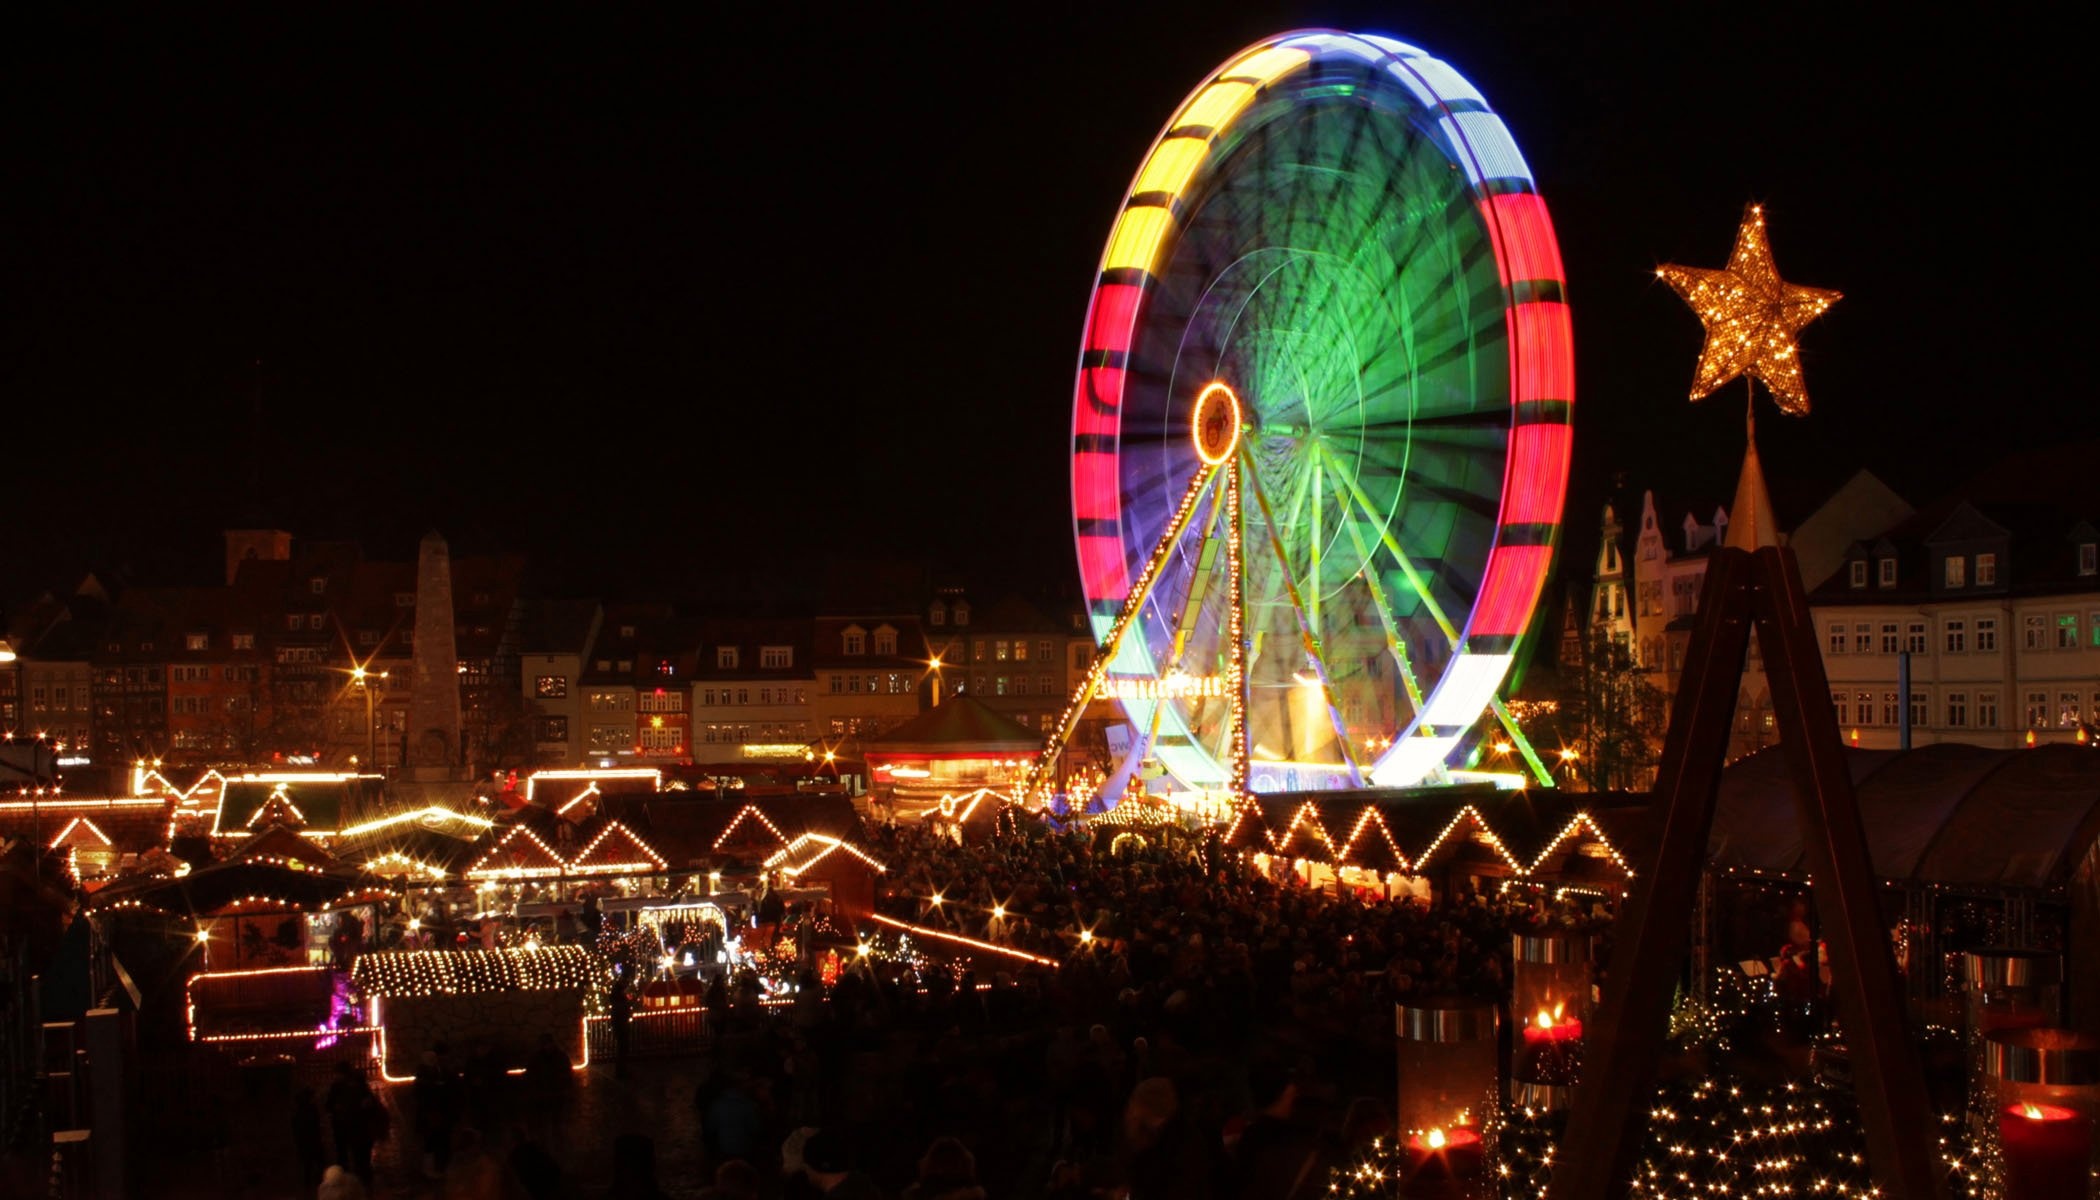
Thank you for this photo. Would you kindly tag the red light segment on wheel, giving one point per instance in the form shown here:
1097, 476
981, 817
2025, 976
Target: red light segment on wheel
1525, 247
1101, 565
1115, 313
1538, 475
1100, 399
1542, 352
1514, 576
1094, 486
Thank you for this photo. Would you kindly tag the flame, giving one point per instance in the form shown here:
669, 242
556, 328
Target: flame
1436, 1138
2030, 1112
1548, 1019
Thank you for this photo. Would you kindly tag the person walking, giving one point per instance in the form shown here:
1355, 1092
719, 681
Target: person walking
437, 1110
350, 1121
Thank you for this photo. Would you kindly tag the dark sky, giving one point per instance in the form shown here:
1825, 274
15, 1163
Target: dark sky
664, 303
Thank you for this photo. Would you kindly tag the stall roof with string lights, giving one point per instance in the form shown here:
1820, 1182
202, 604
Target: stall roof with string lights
1536, 834
1946, 815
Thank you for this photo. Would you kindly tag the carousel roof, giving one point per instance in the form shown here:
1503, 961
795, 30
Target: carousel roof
960, 725
1943, 814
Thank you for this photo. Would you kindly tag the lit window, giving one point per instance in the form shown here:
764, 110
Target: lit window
1957, 571
1986, 570
551, 687
2067, 709
2067, 631
244, 641
2038, 710
196, 641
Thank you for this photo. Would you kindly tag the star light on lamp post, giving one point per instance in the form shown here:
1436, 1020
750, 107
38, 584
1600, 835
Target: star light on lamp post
1752, 317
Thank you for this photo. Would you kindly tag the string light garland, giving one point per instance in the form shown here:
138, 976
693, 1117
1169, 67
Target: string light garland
1752, 317
652, 774
484, 868
743, 814
830, 844
959, 939
430, 814
648, 861
391, 973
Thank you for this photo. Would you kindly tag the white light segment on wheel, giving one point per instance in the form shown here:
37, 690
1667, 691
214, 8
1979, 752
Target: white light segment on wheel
1411, 760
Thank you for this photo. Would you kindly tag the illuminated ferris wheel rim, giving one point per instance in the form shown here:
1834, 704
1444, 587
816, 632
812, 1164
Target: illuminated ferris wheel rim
1534, 317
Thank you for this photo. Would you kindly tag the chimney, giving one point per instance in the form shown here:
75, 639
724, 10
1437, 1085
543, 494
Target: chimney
433, 699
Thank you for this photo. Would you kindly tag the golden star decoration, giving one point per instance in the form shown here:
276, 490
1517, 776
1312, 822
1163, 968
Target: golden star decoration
1751, 317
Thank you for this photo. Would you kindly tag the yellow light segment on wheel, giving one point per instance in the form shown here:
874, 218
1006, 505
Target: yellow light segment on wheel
1267, 66
1215, 106
1170, 166
1135, 243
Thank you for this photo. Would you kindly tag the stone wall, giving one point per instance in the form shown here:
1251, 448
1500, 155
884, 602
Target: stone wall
511, 1022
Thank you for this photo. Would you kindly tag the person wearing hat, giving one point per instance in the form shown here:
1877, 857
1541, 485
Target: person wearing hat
827, 1162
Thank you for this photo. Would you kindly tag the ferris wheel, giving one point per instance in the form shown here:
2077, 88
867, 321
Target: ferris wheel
1321, 428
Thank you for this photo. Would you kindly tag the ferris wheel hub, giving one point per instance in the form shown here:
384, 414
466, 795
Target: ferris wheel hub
1214, 422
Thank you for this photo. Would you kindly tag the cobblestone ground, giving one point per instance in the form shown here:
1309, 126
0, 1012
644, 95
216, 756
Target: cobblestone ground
258, 1161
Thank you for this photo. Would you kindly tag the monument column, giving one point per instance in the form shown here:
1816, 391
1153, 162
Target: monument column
433, 701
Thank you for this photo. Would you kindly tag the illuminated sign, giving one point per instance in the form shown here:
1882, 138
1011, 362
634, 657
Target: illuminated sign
1174, 687
774, 749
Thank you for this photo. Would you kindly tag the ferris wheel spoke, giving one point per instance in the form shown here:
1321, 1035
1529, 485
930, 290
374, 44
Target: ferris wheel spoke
1415, 579
1308, 631
1395, 644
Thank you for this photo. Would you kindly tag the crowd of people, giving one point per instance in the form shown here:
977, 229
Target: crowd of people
1177, 1025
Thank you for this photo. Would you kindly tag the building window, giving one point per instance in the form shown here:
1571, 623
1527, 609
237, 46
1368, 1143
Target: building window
294, 621
1021, 650
554, 729
1957, 571
1986, 570
1837, 637
1042, 650
2067, 709
1001, 650
1920, 702
2092, 620
626, 631
1020, 685
1986, 710
1986, 635
318, 585
551, 687
2037, 710
743, 695
885, 640
2034, 632
2067, 631
1957, 636
611, 737
1859, 572
938, 614
2089, 558
977, 650
244, 641
196, 641
1862, 638
625, 665
1889, 640
776, 658
1891, 710
725, 658
1838, 703
1957, 710
856, 641
1863, 707
1082, 656
1888, 572
962, 612
838, 684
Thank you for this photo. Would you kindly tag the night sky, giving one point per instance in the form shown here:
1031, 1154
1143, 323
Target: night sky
672, 304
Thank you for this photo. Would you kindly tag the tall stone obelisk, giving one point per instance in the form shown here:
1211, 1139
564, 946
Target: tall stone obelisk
433, 701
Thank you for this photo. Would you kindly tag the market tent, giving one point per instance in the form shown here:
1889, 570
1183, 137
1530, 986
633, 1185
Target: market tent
1952, 815
960, 727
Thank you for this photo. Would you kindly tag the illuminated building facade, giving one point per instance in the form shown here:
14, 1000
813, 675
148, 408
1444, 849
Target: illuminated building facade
751, 691
868, 673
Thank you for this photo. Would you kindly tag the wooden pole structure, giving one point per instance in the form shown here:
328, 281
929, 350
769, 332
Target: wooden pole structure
1610, 1108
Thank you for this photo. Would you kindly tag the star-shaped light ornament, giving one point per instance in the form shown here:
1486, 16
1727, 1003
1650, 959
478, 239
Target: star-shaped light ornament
1751, 317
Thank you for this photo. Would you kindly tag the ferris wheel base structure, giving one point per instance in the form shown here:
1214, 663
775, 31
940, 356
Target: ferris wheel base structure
1321, 427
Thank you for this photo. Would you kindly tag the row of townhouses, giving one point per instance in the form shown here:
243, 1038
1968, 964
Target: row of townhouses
1974, 619
307, 653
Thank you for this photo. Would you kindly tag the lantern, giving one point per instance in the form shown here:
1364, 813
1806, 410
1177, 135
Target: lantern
2054, 1071
1450, 1072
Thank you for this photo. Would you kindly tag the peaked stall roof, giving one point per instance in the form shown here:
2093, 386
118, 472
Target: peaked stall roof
1955, 815
959, 725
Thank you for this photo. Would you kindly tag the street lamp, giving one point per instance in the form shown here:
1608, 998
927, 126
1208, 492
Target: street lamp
362, 679
934, 664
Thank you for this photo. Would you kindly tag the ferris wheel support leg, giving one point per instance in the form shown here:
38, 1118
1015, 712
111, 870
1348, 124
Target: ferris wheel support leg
1524, 747
1309, 633
1076, 706
1236, 630
1392, 547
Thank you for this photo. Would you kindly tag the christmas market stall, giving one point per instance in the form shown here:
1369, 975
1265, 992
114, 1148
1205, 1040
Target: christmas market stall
1979, 849
259, 939
507, 999
957, 747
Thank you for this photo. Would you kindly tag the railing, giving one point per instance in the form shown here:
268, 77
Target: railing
652, 1033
